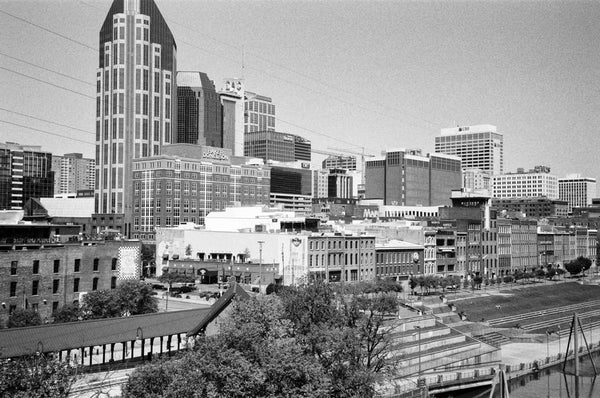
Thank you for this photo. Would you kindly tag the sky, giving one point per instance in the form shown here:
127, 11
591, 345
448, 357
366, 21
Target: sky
345, 74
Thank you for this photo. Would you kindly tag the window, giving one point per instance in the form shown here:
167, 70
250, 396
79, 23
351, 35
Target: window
95, 284
13, 267
54, 306
34, 288
113, 264
113, 282
77, 265
13, 289
55, 286
56, 266
75, 285
36, 267
96, 262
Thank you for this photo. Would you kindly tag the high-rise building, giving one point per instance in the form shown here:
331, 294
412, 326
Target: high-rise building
476, 180
259, 113
577, 190
407, 178
136, 100
232, 101
199, 116
72, 173
479, 147
25, 172
537, 182
340, 162
272, 145
186, 182
291, 186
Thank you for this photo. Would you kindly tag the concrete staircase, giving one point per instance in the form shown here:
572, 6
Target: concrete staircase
423, 345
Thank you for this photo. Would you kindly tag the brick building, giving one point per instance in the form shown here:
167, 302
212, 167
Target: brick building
44, 277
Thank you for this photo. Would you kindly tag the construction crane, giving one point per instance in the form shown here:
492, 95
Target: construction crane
362, 158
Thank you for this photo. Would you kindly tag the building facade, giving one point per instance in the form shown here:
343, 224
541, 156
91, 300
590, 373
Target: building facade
199, 116
136, 100
537, 182
479, 147
577, 190
186, 182
532, 207
45, 278
72, 173
407, 178
25, 172
259, 113
280, 147
291, 186
339, 162
341, 258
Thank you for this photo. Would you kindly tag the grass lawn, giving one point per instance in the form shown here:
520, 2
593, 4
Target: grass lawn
526, 300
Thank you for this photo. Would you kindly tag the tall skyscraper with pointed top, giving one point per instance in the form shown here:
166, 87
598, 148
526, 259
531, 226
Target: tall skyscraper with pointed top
136, 102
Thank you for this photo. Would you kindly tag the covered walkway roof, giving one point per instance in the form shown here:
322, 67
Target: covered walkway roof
65, 336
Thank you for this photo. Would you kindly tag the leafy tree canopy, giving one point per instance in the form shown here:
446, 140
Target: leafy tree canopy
23, 317
129, 298
36, 376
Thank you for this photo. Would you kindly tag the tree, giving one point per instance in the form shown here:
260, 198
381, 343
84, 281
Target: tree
540, 273
551, 273
35, 376
585, 263
174, 277
412, 283
136, 298
68, 313
129, 298
23, 317
574, 267
148, 259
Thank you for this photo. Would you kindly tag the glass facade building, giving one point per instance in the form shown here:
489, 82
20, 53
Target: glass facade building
136, 99
25, 172
281, 147
199, 115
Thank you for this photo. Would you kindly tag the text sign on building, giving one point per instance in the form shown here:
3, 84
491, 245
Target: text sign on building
215, 154
234, 86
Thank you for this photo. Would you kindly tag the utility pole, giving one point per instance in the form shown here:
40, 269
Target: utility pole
260, 244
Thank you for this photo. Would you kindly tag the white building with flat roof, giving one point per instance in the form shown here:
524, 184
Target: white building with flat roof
577, 190
479, 147
537, 182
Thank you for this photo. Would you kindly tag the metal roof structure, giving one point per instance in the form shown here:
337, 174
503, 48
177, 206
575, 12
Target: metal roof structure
17, 342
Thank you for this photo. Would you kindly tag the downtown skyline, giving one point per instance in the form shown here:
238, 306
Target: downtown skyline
378, 75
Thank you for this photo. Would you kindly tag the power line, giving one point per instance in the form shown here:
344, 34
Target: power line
46, 82
47, 69
49, 30
47, 121
46, 132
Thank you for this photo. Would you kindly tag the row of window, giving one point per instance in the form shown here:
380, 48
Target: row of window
14, 265
339, 244
35, 286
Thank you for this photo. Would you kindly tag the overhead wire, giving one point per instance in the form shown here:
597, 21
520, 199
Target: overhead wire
46, 132
47, 121
47, 82
49, 30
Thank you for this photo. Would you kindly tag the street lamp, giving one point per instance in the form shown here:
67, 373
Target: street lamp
260, 245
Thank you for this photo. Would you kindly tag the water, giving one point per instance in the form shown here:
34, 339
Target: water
552, 383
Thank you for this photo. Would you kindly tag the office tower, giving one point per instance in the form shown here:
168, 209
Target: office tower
536, 182
259, 113
408, 178
199, 115
136, 100
291, 186
272, 145
320, 183
72, 173
186, 182
577, 190
479, 147
25, 172
340, 162
232, 102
